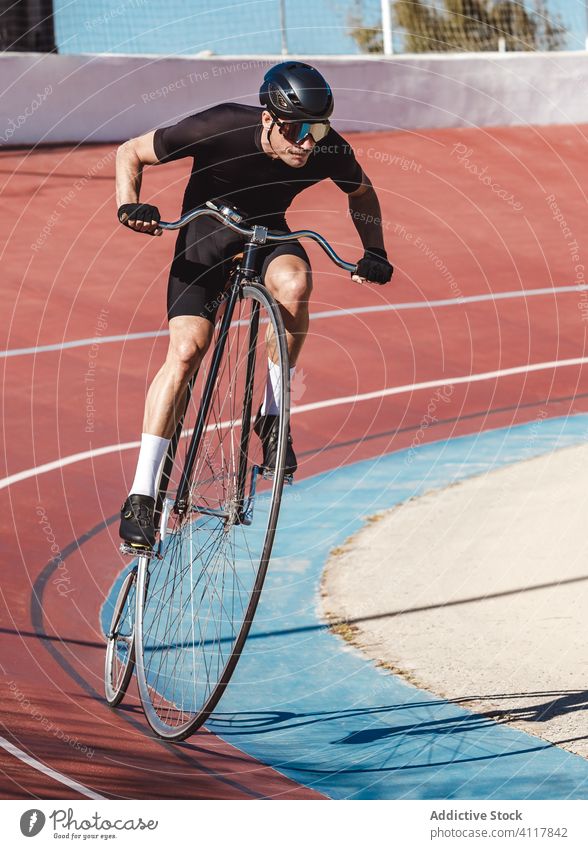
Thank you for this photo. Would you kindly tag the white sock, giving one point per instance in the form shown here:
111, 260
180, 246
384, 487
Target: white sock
151, 456
273, 389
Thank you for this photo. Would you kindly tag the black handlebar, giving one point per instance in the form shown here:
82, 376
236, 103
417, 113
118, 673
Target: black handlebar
260, 235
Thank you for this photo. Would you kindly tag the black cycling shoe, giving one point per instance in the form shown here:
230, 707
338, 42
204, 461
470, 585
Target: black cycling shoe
136, 521
267, 428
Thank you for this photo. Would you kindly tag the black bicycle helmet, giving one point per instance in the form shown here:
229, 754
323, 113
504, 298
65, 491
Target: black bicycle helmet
296, 91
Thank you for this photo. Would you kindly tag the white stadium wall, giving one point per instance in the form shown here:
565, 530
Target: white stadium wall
49, 98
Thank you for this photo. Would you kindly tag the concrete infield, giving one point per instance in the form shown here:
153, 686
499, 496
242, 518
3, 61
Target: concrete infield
478, 593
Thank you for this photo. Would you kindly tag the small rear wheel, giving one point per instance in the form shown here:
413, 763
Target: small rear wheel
120, 645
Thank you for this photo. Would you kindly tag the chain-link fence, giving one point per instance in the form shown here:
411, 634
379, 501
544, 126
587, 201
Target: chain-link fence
294, 27
445, 26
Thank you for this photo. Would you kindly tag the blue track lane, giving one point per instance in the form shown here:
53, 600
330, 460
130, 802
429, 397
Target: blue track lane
304, 703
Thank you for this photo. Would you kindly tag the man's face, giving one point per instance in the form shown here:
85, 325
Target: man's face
295, 155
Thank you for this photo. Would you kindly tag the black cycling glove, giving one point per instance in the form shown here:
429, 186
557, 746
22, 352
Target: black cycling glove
138, 212
374, 266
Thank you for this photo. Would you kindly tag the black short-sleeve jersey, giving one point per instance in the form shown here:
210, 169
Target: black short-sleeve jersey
230, 164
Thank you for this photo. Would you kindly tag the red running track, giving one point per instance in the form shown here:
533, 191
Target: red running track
466, 213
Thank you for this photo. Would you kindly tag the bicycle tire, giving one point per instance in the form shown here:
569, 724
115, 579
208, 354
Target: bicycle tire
182, 669
120, 645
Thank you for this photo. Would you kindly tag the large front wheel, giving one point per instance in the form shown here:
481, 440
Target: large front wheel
193, 621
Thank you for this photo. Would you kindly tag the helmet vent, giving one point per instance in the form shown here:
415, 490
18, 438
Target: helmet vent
280, 101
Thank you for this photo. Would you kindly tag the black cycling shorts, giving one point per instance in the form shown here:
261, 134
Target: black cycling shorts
196, 283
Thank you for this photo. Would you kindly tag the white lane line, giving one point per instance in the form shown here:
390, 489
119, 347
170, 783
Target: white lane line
82, 343
336, 313
431, 384
304, 408
453, 302
41, 767
65, 461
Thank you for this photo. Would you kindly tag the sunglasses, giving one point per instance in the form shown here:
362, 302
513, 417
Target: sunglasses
297, 131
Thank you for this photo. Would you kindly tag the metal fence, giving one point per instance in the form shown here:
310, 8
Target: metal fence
291, 27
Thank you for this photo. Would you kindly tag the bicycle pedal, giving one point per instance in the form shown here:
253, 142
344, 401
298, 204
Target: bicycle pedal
268, 475
139, 551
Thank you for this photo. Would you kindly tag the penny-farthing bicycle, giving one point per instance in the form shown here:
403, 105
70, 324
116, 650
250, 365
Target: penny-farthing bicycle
184, 610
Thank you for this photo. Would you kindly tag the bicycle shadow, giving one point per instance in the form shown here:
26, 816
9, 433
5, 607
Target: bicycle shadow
400, 748
562, 703
418, 733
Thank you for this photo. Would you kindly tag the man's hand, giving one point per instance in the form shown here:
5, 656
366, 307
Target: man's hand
373, 267
141, 217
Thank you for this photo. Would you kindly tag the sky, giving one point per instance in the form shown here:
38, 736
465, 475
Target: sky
235, 27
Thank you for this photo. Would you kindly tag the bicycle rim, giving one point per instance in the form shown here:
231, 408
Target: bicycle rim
194, 619
120, 645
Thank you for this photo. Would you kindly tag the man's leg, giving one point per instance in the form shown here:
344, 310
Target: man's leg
288, 277
190, 337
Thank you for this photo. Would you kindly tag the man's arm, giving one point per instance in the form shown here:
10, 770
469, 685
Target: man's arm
131, 157
364, 209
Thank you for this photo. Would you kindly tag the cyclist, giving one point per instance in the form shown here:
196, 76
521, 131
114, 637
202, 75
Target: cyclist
258, 160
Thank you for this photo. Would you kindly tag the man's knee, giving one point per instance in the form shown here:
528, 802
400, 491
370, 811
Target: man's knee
290, 283
187, 353
188, 345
